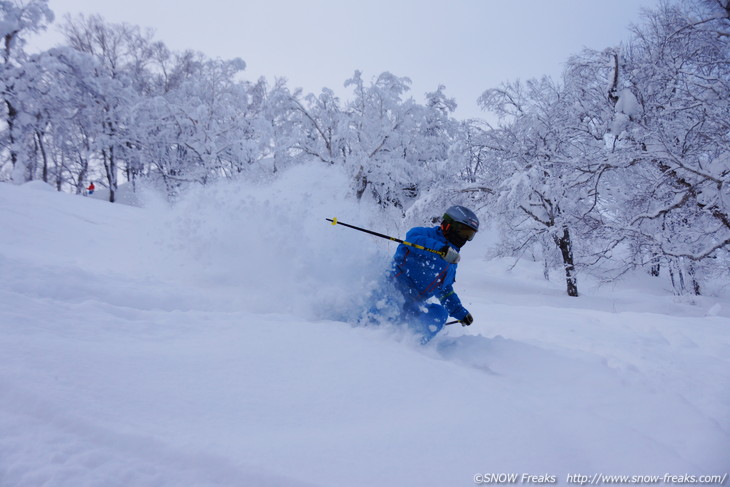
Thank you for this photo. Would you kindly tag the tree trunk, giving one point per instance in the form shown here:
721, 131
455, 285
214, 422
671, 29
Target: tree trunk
361, 183
693, 277
44, 156
12, 113
111, 172
655, 267
677, 271
566, 250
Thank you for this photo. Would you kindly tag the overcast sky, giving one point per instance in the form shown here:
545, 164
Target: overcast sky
466, 45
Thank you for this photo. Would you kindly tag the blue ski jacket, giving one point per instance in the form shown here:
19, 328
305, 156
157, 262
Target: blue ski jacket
420, 274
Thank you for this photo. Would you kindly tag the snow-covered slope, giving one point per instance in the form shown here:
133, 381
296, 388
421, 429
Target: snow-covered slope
204, 346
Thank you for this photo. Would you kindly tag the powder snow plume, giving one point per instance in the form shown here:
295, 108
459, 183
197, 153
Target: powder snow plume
271, 241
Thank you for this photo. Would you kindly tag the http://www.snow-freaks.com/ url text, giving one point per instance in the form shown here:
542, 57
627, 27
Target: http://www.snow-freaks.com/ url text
600, 479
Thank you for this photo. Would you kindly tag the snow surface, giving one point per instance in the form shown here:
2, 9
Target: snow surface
204, 345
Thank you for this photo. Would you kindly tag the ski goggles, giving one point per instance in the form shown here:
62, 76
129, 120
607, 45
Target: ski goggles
463, 231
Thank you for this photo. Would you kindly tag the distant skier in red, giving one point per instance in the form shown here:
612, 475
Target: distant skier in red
91, 188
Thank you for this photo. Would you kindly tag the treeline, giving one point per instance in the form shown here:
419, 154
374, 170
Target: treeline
622, 163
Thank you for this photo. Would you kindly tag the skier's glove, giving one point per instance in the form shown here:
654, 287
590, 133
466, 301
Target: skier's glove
468, 320
450, 255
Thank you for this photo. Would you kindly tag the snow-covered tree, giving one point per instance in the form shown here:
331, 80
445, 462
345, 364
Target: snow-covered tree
680, 75
199, 122
395, 146
122, 53
666, 180
540, 153
322, 125
378, 118
18, 20
627, 161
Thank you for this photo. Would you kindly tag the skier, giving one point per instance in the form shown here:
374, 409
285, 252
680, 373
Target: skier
91, 188
419, 275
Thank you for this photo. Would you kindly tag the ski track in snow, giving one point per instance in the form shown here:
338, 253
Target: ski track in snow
138, 351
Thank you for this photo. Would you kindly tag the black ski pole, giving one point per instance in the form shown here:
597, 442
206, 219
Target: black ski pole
336, 222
